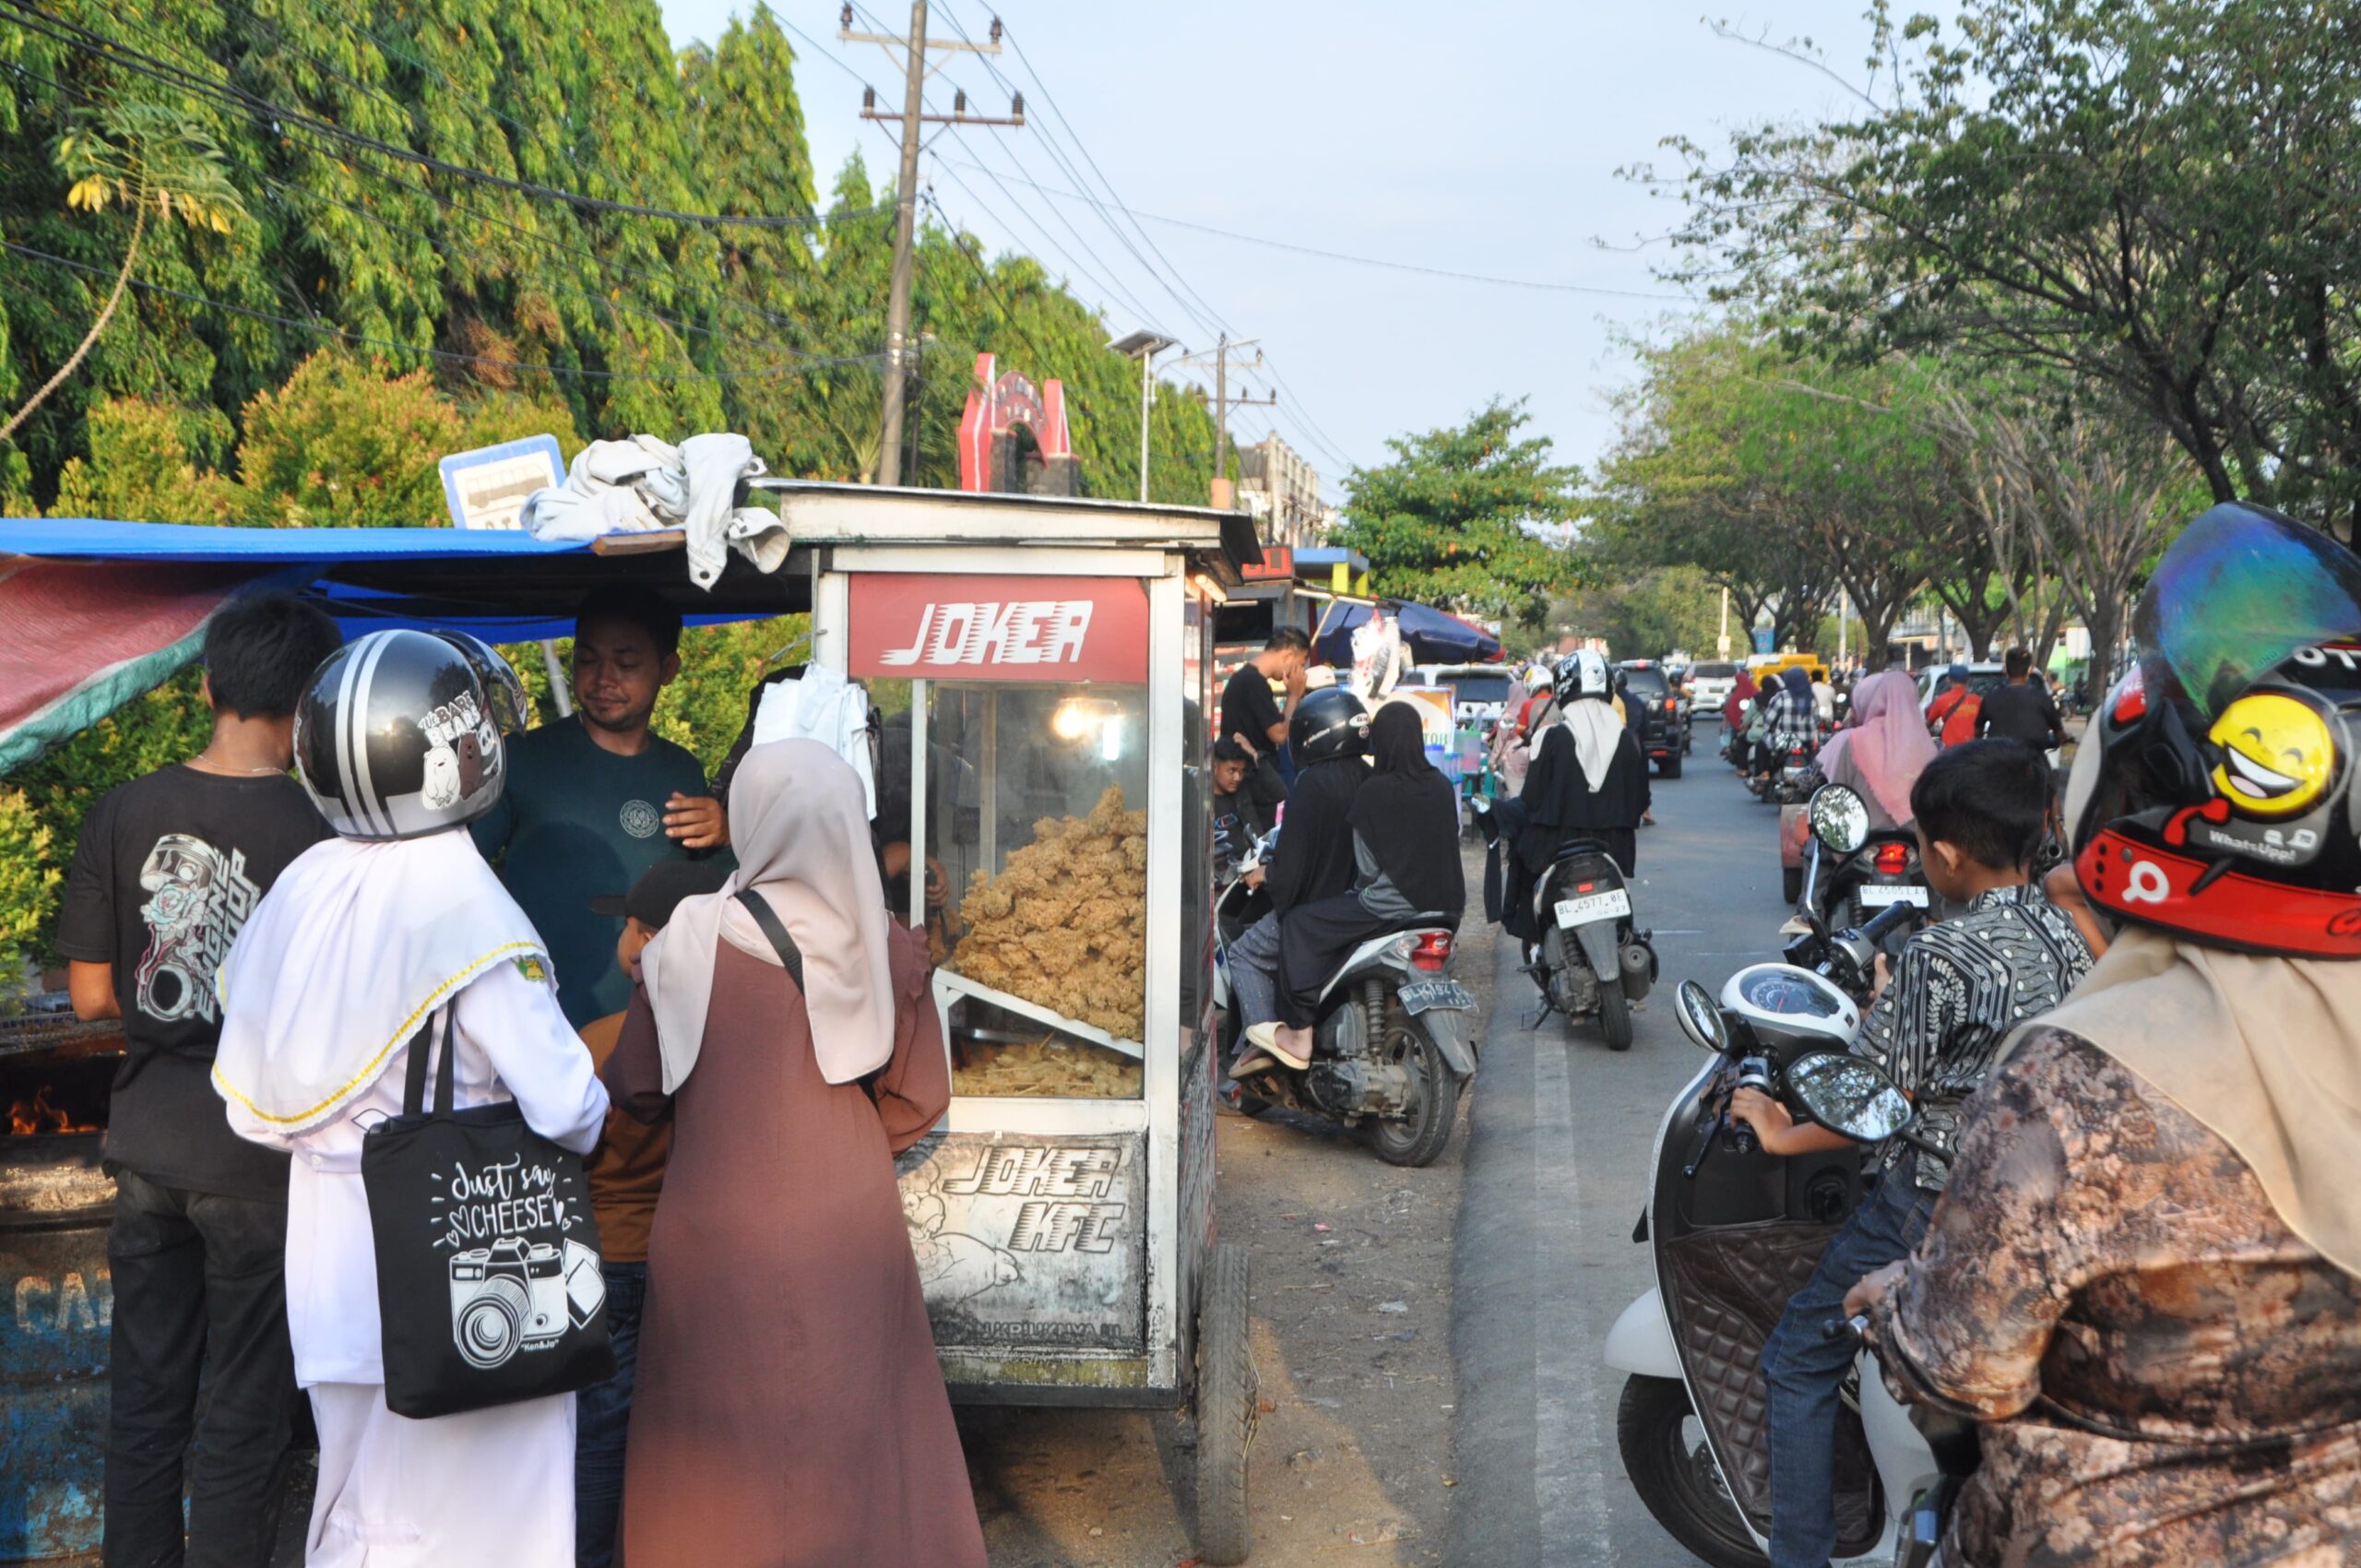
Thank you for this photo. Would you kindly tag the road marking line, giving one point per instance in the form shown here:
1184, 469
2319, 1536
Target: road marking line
1567, 1485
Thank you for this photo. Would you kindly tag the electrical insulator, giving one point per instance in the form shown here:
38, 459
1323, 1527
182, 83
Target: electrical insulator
1016, 106
868, 98
995, 30
844, 17
959, 101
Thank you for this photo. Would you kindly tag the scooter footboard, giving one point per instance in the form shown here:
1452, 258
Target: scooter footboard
1727, 1288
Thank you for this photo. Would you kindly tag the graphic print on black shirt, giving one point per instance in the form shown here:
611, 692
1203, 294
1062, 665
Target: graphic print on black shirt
197, 898
166, 871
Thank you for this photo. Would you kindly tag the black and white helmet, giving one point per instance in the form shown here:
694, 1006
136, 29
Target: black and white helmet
397, 738
1583, 673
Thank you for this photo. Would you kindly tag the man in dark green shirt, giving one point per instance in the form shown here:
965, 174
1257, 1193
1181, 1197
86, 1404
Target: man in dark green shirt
594, 799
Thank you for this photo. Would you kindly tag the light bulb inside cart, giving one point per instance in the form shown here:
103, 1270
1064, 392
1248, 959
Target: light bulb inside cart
1073, 719
1110, 739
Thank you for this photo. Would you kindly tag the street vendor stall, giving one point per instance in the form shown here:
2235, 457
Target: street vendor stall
1052, 779
1041, 671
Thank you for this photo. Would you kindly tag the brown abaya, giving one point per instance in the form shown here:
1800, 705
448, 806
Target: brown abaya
789, 1411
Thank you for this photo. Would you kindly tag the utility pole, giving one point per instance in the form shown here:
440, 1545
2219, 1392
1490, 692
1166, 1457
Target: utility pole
1144, 346
917, 52
1223, 403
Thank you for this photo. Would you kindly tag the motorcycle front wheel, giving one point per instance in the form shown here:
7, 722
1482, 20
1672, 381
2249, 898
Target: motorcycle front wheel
1671, 1469
1419, 1136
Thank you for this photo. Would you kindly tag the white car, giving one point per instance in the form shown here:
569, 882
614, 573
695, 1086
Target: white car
1709, 687
1981, 678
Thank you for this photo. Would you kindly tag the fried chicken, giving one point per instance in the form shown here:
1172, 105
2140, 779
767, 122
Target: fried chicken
1064, 924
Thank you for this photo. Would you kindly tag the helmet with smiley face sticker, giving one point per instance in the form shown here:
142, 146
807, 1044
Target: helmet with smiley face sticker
2218, 793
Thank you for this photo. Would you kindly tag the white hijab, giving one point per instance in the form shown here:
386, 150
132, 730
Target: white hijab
1596, 733
343, 959
799, 823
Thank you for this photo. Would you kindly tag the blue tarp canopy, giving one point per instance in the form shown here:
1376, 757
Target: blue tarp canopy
1433, 636
504, 586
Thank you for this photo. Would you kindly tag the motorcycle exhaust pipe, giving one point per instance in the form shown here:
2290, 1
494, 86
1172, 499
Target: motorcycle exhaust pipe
1639, 961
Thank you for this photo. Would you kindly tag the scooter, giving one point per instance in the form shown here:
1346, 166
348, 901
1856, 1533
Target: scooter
1850, 873
1390, 1046
1790, 769
1591, 957
1734, 1232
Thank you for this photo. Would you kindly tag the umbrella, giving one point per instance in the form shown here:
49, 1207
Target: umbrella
1433, 636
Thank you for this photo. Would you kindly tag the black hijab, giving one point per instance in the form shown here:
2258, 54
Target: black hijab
1407, 813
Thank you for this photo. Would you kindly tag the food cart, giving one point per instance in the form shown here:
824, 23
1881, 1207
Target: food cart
1043, 666
1058, 661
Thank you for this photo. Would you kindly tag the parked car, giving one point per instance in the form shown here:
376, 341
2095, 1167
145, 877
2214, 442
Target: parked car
1478, 691
1652, 707
1709, 686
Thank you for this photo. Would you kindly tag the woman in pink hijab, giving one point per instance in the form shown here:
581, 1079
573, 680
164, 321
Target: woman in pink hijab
789, 1412
1879, 757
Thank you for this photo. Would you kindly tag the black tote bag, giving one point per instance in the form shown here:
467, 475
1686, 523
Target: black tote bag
488, 1288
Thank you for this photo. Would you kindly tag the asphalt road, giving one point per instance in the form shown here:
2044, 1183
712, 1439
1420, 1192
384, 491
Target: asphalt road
1562, 1135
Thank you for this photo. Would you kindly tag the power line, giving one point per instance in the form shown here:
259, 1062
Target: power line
1050, 243
1372, 260
991, 287
113, 51
207, 302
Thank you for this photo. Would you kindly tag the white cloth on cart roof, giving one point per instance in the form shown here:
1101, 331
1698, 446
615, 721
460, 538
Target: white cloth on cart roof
644, 484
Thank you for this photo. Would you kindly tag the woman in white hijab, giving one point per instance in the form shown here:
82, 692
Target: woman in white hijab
789, 1410
363, 939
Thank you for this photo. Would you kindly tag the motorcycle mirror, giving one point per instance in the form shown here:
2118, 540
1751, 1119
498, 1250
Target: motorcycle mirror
1699, 1020
1840, 818
1850, 1096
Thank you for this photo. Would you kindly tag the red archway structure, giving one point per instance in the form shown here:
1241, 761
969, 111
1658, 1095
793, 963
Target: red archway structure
1013, 439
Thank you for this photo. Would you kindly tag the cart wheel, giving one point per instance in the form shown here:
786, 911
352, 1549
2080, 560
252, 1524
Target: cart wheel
1226, 1407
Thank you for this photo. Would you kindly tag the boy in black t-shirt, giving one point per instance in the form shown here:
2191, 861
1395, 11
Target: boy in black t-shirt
166, 871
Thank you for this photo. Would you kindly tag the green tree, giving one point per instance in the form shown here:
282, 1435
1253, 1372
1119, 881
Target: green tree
1454, 519
344, 444
2155, 201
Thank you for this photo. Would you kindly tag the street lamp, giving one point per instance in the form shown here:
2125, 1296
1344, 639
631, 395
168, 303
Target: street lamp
1144, 346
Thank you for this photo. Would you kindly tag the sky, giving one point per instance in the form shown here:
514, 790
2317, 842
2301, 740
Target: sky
1482, 137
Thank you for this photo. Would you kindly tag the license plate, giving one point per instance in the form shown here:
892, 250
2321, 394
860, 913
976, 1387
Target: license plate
1596, 907
1876, 897
1419, 995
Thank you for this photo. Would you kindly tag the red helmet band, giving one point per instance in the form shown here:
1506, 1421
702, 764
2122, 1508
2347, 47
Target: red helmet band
2141, 882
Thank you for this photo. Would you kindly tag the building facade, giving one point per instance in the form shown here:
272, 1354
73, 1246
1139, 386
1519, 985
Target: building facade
1282, 490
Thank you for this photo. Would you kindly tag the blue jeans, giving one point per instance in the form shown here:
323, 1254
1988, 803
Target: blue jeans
1254, 961
602, 1420
1803, 1371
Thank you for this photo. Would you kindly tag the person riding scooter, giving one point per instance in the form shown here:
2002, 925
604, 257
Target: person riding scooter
1587, 780
1327, 736
1956, 991
2146, 1269
1404, 825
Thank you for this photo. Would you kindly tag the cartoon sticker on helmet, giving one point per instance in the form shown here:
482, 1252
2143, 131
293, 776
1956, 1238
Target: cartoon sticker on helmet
2278, 757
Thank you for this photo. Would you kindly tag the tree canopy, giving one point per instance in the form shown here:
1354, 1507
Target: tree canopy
1464, 518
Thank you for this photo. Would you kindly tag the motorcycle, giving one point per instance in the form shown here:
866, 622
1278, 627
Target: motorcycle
1591, 957
1790, 765
1390, 1046
1734, 1232
1850, 873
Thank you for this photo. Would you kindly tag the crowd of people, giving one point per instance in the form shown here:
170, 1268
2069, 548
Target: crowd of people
713, 1006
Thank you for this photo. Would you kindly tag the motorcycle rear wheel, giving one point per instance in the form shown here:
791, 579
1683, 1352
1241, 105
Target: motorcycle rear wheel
1613, 1013
1419, 1137
1675, 1474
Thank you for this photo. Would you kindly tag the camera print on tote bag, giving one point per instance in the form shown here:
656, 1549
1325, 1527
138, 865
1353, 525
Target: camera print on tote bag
488, 1280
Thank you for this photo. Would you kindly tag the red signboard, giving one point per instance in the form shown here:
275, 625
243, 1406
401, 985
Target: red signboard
962, 628
1278, 566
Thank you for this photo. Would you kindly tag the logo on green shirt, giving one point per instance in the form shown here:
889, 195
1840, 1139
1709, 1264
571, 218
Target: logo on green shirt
640, 819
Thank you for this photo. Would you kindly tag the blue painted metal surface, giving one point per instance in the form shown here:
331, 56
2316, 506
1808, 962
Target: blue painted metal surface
56, 1302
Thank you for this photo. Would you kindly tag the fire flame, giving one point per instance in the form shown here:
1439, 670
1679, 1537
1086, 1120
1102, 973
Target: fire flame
37, 1115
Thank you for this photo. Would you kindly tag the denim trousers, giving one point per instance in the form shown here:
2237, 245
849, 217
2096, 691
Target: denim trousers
200, 1287
602, 1422
1254, 961
1804, 1372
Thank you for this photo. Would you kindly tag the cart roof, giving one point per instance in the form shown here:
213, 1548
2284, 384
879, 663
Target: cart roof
816, 513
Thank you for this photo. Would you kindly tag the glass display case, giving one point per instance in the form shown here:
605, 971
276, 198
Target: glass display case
1039, 830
